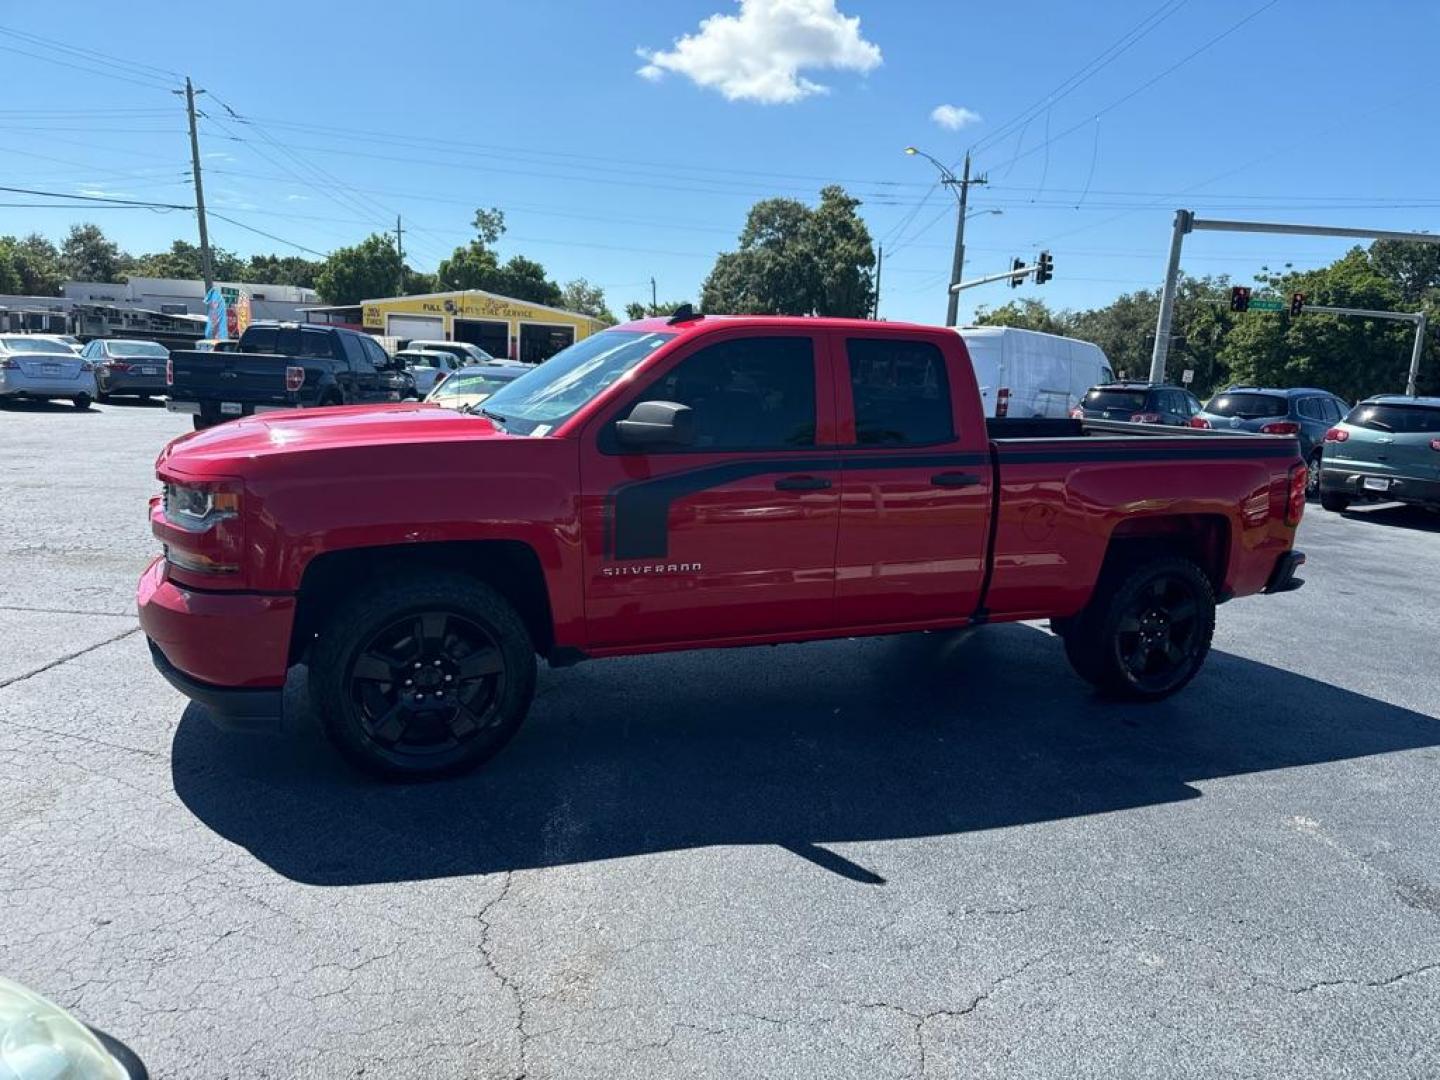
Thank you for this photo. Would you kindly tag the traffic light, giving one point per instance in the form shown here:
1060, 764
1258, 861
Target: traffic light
1016, 265
1046, 268
1297, 304
1240, 298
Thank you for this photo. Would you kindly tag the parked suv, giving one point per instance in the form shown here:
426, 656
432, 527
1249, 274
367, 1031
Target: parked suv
127, 367
1138, 403
1304, 412
1387, 448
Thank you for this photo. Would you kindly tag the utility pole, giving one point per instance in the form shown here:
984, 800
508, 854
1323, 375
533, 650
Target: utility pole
879, 265
957, 263
400, 248
654, 303
207, 267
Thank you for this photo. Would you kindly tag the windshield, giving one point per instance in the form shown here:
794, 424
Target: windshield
474, 384
548, 396
1134, 400
1248, 406
1400, 419
137, 348
23, 343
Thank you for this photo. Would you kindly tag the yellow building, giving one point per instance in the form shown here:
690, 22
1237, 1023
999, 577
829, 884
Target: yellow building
501, 326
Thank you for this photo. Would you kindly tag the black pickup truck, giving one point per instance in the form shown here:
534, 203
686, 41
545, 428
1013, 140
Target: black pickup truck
284, 366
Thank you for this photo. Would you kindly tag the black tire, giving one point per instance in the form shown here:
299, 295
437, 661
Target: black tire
201, 423
1146, 632
1312, 479
473, 651
102, 397
81, 401
1335, 501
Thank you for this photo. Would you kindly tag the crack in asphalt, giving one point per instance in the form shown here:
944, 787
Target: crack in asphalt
1369, 984
506, 980
67, 658
68, 611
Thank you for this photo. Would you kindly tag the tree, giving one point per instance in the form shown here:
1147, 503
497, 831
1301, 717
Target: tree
282, 270
369, 269
1027, 314
792, 260
86, 255
183, 262
9, 275
36, 263
579, 295
477, 266
648, 311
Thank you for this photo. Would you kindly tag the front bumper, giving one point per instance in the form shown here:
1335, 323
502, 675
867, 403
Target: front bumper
1350, 481
1282, 578
227, 651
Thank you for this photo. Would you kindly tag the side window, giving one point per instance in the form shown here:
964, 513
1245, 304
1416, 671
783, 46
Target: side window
317, 344
89, 352
354, 354
900, 391
1309, 408
374, 353
747, 394
1334, 410
1192, 404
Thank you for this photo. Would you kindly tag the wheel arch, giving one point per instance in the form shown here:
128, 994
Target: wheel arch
1202, 538
511, 567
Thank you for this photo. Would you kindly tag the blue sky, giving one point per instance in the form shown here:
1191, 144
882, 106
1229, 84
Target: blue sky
354, 112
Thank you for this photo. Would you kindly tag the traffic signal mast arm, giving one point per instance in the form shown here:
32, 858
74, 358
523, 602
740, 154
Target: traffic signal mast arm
1043, 269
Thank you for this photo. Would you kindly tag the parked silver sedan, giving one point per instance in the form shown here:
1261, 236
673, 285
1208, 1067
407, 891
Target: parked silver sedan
40, 367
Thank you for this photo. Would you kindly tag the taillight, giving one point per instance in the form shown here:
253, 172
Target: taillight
294, 378
1435, 444
1281, 427
9, 365
169, 372
1336, 434
1295, 502
1077, 413
1199, 422
1002, 402
1145, 418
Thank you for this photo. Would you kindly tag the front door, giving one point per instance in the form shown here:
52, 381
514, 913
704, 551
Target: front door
916, 497
734, 535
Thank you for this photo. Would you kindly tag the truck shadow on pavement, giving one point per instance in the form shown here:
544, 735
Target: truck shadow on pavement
1397, 516
796, 746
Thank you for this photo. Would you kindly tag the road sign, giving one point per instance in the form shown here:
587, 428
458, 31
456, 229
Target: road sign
1267, 305
1188, 376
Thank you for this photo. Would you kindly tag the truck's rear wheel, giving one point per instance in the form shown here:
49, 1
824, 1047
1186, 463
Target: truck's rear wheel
1335, 501
1147, 631
425, 677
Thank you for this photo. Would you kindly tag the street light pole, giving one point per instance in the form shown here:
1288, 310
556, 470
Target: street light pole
957, 262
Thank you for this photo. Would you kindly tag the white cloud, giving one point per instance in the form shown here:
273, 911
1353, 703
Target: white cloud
217, 155
297, 198
758, 55
954, 117
102, 193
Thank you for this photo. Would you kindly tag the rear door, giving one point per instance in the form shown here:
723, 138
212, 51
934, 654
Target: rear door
733, 536
916, 488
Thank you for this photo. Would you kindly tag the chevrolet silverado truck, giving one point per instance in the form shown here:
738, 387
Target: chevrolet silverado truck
684, 483
283, 366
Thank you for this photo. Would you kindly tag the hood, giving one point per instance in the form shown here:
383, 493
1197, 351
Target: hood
220, 450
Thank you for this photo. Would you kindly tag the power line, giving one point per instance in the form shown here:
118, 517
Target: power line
93, 198
128, 63
1082, 75
269, 236
1147, 83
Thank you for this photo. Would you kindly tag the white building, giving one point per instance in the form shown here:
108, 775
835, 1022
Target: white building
177, 296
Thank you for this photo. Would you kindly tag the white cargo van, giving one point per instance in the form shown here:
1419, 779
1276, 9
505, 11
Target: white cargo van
1025, 373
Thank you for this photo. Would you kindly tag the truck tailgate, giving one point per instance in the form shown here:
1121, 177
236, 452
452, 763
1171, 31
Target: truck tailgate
248, 378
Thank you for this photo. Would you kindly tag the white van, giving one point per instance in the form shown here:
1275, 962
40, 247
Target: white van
1025, 373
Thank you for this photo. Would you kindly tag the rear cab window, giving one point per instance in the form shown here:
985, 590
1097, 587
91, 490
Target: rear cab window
1100, 398
900, 392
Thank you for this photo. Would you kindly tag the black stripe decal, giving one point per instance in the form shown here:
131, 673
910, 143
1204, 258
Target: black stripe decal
636, 514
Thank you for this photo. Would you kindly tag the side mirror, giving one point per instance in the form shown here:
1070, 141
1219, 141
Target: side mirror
657, 423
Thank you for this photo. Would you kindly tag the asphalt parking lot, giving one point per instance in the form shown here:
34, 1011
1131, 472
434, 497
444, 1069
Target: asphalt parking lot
908, 857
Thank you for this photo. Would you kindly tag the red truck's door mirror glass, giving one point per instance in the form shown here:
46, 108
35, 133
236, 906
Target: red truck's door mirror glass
653, 424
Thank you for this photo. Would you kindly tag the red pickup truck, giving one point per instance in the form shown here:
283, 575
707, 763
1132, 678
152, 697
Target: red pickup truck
685, 483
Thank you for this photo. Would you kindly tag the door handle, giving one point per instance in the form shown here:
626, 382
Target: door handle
955, 479
801, 483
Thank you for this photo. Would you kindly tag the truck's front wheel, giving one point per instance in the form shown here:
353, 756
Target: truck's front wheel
1146, 632
427, 676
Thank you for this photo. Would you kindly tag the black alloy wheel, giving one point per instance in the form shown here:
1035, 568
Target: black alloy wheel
1158, 634
1312, 478
425, 686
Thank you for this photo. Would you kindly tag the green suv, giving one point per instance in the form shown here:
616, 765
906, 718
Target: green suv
1386, 449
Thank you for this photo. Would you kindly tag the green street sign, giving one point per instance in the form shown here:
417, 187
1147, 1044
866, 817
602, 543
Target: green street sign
1267, 305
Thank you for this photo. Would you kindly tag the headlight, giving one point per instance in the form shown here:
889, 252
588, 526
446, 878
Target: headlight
40, 1039
196, 509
